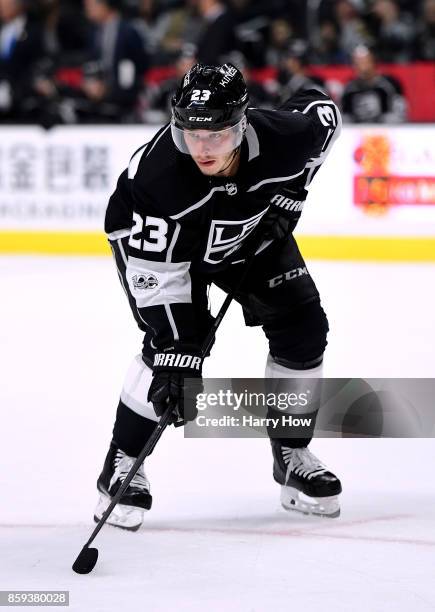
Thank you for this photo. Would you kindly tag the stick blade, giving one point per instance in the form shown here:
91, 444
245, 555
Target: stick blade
85, 562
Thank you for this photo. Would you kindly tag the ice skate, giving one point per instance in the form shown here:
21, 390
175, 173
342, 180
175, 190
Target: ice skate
307, 485
128, 514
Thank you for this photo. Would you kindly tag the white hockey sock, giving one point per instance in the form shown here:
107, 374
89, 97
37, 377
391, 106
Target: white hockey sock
135, 390
300, 385
276, 370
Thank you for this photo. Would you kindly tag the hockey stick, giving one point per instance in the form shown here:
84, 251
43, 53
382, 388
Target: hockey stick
88, 557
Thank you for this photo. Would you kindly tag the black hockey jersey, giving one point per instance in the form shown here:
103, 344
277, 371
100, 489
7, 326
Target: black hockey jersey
378, 101
182, 223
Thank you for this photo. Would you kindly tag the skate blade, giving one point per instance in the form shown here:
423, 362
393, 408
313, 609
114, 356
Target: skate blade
124, 517
292, 499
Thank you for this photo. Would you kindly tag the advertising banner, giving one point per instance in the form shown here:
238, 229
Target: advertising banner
378, 183
61, 179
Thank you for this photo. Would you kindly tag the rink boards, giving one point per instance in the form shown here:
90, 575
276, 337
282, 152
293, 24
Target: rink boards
373, 199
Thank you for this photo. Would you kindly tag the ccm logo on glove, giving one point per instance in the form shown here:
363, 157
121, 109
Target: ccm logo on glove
177, 360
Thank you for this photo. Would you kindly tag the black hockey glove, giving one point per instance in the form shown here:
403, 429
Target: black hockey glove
177, 379
278, 227
284, 213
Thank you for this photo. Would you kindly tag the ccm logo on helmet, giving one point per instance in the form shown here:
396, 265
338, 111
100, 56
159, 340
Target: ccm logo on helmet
200, 118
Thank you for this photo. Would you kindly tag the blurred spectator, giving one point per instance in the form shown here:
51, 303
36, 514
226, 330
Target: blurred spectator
217, 37
39, 37
394, 32
177, 27
156, 99
260, 95
65, 30
425, 33
145, 24
65, 33
166, 34
280, 35
372, 97
146, 10
114, 76
20, 48
353, 30
326, 46
251, 30
292, 75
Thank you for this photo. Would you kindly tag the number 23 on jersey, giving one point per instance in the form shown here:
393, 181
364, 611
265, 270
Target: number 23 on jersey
157, 230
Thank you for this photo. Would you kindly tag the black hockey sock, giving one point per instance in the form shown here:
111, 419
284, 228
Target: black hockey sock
131, 430
294, 442
292, 430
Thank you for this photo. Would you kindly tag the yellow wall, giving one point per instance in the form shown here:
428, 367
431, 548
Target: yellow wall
354, 248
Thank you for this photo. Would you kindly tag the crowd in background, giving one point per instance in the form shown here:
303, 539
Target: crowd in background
106, 49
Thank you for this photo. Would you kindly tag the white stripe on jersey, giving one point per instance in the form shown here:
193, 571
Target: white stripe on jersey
253, 142
122, 282
316, 162
173, 242
121, 248
134, 162
172, 321
276, 179
198, 204
157, 139
119, 234
307, 108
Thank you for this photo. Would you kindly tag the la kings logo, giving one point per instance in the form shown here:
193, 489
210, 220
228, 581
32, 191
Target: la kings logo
145, 281
225, 237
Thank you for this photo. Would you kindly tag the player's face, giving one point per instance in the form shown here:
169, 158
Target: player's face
211, 151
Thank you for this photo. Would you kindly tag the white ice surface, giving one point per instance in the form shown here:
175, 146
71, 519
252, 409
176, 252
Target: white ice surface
216, 538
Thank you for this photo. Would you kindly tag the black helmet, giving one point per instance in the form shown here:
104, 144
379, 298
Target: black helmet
210, 97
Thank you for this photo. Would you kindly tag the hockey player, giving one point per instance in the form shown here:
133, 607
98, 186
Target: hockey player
185, 214
372, 97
